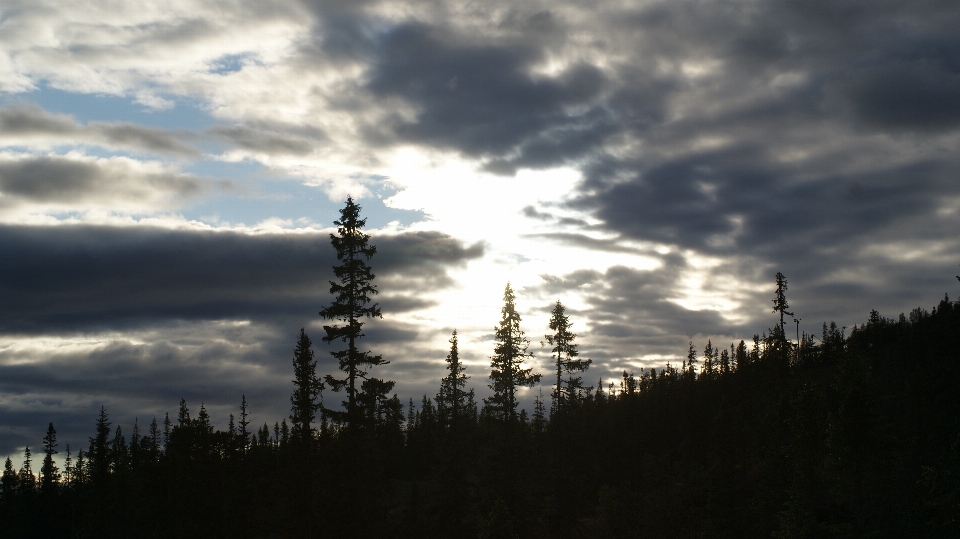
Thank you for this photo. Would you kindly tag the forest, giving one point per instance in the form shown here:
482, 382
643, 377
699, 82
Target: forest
851, 434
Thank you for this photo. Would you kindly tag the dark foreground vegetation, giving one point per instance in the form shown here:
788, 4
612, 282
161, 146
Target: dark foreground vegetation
841, 436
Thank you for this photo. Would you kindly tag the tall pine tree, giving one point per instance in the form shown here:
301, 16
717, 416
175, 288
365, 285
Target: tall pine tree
780, 304
564, 353
352, 292
243, 434
506, 373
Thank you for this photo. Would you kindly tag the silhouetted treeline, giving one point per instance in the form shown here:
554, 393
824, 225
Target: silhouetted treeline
847, 436
851, 436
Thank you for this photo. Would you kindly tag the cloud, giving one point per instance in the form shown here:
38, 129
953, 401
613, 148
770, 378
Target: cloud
480, 99
26, 120
631, 319
78, 182
138, 318
815, 138
143, 138
142, 374
921, 95
94, 50
611, 245
78, 278
531, 212
271, 142
29, 124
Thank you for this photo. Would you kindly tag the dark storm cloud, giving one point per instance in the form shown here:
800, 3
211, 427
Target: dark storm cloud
478, 98
864, 73
825, 229
21, 122
762, 205
921, 95
78, 278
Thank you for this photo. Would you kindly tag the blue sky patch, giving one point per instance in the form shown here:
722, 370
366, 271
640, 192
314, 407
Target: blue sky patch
230, 63
86, 108
250, 201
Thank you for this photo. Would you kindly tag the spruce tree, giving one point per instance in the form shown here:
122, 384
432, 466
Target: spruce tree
411, 418
68, 468
352, 292
81, 470
452, 399
564, 353
28, 481
539, 414
135, 453
119, 452
709, 365
742, 359
373, 402
99, 453
244, 434
307, 390
690, 365
183, 414
510, 351
263, 436
10, 482
780, 304
153, 449
203, 421
49, 473
284, 435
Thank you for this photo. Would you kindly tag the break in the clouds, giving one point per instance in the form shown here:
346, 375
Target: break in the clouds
650, 164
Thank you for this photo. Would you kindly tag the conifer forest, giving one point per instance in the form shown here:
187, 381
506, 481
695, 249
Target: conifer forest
854, 433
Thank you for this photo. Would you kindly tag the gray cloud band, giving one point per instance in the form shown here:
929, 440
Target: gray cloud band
21, 123
69, 181
73, 278
148, 316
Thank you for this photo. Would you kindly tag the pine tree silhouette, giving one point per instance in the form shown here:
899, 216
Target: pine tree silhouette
564, 353
452, 399
49, 473
307, 390
352, 292
509, 353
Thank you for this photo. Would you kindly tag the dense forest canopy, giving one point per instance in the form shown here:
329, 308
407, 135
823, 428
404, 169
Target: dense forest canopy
846, 434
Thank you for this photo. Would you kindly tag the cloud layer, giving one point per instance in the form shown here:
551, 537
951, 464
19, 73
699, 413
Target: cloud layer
713, 144
138, 318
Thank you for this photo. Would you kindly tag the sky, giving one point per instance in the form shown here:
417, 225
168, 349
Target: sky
170, 174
